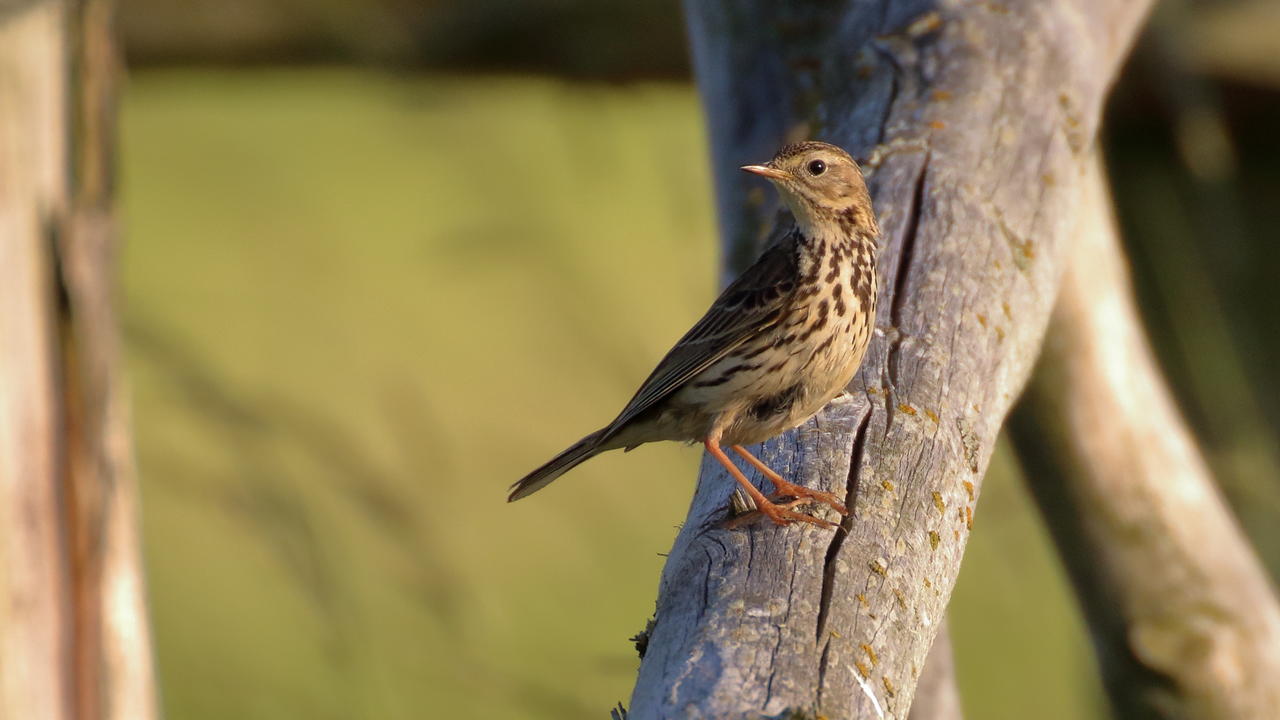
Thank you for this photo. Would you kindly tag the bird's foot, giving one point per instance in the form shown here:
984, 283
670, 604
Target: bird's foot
782, 516
790, 489
780, 513
800, 492
759, 504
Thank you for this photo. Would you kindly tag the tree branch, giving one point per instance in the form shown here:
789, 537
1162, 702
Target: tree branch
974, 122
1184, 621
937, 695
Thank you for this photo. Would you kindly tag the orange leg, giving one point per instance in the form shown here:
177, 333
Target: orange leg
747, 518
779, 515
790, 489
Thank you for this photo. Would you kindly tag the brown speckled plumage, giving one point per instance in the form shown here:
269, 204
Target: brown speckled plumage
779, 343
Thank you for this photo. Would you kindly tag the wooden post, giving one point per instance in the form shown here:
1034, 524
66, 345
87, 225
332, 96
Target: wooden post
75, 641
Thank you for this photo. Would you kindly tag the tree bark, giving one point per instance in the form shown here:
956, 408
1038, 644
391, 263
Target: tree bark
1184, 621
974, 122
76, 642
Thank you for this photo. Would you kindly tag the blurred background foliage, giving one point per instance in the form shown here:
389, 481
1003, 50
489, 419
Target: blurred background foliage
383, 257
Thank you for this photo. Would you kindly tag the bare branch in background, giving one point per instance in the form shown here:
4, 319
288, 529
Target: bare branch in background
1184, 621
937, 693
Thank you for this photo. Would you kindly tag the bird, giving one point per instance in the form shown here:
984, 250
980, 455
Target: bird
778, 344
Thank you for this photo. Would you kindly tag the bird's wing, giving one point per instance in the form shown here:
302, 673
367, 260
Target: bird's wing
750, 304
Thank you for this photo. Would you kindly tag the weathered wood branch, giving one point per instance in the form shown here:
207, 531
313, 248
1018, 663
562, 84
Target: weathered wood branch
76, 642
974, 121
1184, 621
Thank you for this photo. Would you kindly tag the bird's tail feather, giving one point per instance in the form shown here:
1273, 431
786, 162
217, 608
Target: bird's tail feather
585, 449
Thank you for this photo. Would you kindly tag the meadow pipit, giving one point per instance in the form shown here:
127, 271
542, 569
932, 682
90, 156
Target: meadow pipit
779, 343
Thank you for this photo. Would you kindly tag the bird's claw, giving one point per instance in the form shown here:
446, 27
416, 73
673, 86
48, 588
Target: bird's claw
800, 492
779, 513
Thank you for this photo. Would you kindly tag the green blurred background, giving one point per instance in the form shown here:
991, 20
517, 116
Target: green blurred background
384, 257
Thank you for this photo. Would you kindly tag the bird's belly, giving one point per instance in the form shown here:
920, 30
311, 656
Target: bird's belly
755, 398
817, 382
779, 379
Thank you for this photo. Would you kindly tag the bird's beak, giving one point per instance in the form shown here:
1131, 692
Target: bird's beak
770, 172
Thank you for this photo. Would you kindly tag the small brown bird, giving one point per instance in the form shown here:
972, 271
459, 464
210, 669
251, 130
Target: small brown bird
779, 343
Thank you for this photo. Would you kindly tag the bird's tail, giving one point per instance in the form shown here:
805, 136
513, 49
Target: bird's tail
581, 451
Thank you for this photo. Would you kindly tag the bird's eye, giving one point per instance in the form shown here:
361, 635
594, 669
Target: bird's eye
817, 167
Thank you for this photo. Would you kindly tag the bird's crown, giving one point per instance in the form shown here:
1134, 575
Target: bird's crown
807, 147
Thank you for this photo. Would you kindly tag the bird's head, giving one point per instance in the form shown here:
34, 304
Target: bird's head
820, 183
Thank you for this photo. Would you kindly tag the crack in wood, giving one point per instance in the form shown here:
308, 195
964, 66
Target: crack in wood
846, 524
906, 255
